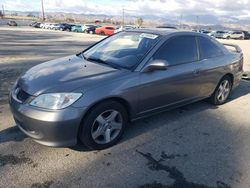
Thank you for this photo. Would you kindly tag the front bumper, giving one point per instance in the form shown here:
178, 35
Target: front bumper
48, 127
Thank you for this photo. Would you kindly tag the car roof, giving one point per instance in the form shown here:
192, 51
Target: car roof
161, 31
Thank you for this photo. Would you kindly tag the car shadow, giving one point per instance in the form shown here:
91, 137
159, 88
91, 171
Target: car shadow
11, 134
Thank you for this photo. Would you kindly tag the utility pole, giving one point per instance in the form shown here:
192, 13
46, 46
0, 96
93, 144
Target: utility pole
3, 10
43, 17
197, 21
181, 21
123, 14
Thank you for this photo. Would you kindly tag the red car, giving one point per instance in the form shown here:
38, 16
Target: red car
105, 30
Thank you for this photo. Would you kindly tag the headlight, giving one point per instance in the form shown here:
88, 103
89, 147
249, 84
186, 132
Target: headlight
55, 101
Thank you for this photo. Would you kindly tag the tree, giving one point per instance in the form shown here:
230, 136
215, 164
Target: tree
31, 15
1, 14
139, 21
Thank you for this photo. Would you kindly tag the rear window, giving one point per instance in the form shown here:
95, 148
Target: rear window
178, 50
208, 49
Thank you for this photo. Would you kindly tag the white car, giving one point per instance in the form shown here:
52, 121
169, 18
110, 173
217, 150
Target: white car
42, 25
124, 28
234, 35
51, 26
86, 26
217, 34
46, 26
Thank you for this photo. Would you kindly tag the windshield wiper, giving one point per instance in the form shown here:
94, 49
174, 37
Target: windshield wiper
82, 56
102, 62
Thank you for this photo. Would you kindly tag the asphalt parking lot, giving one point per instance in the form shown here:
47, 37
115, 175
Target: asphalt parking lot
196, 146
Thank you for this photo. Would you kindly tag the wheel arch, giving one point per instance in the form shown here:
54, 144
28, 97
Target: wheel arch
231, 76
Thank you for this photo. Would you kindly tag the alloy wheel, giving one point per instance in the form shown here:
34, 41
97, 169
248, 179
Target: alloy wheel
223, 91
106, 127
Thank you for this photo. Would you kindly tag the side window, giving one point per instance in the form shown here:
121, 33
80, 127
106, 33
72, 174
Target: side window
178, 50
110, 28
208, 49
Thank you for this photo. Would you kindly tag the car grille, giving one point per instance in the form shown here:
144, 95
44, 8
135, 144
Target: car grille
22, 95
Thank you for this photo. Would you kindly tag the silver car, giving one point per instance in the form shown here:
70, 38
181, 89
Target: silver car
91, 97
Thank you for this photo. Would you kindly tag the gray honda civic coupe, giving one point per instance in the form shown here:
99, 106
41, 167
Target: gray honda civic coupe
90, 97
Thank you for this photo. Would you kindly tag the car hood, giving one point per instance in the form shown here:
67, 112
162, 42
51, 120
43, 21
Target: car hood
64, 75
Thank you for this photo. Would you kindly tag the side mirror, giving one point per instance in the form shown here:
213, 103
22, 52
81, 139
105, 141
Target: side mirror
155, 65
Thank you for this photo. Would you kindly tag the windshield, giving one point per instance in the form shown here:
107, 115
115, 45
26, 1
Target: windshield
125, 49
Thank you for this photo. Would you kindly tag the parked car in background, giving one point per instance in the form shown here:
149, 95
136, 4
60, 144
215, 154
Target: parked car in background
45, 25
124, 28
42, 25
32, 23
86, 26
105, 30
68, 27
205, 32
130, 75
37, 25
217, 34
91, 30
51, 26
56, 26
12, 23
77, 28
234, 35
246, 35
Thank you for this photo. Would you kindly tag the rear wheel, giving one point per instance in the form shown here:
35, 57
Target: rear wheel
222, 91
102, 33
241, 38
104, 125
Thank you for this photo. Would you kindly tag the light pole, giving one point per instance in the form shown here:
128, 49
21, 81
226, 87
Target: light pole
197, 20
123, 16
3, 10
43, 17
181, 21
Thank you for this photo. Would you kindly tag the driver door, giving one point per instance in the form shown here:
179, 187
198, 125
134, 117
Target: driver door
179, 83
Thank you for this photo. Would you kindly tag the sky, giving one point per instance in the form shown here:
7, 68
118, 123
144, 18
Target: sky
213, 10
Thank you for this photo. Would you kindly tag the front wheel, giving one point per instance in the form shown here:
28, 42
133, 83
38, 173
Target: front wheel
104, 125
222, 91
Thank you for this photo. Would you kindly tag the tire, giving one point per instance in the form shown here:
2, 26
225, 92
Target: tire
241, 38
228, 37
102, 33
220, 96
101, 122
